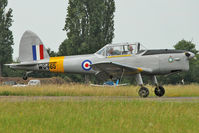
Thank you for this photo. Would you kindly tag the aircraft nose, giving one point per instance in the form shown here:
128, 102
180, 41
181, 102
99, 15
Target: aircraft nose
190, 55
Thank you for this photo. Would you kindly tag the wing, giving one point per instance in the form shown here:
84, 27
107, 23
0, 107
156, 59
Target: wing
117, 69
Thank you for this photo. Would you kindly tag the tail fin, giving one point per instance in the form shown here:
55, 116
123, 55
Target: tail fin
31, 48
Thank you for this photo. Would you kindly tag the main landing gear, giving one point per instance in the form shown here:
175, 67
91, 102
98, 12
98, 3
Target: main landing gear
144, 92
159, 91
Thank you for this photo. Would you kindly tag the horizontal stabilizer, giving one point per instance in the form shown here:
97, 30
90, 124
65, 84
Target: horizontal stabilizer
29, 63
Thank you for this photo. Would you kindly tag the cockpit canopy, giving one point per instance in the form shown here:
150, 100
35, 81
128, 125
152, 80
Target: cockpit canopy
121, 49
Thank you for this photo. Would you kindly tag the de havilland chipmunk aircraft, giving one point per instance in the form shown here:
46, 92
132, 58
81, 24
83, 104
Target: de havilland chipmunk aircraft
111, 61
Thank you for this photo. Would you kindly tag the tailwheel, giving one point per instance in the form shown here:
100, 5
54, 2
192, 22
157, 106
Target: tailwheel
25, 77
159, 91
143, 92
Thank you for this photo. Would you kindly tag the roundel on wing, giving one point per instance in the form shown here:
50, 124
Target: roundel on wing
86, 65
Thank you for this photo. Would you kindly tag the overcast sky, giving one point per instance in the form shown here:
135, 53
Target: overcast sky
154, 23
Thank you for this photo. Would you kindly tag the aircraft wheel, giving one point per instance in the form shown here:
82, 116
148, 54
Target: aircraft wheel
143, 92
25, 77
159, 91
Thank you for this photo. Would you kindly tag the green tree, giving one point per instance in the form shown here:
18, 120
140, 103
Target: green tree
6, 37
51, 52
186, 45
89, 26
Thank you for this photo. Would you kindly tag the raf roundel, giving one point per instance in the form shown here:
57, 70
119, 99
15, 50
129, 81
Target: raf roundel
86, 65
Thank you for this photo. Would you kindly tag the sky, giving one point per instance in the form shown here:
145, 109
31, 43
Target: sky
154, 23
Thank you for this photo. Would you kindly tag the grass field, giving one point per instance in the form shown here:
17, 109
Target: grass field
86, 90
98, 116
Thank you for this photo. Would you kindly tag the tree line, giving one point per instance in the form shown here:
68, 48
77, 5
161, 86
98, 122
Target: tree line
89, 25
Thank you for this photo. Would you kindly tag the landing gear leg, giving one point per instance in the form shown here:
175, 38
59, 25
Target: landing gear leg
143, 91
159, 90
25, 76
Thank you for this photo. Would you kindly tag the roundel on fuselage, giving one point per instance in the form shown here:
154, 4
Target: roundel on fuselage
86, 65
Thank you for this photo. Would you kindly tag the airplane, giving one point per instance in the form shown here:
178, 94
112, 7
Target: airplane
111, 61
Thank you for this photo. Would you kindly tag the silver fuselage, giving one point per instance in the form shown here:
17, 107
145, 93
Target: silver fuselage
159, 64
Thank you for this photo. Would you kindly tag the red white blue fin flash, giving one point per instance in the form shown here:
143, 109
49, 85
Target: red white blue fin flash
38, 52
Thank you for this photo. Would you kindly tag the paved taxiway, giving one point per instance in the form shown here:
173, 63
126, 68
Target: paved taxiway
90, 98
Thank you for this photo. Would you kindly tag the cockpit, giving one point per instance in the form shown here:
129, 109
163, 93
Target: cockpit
122, 49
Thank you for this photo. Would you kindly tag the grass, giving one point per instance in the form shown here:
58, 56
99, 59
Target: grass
98, 116
86, 90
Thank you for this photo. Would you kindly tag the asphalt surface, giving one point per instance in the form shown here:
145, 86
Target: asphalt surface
93, 98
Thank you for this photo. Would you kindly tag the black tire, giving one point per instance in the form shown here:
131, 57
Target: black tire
25, 77
143, 92
159, 91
